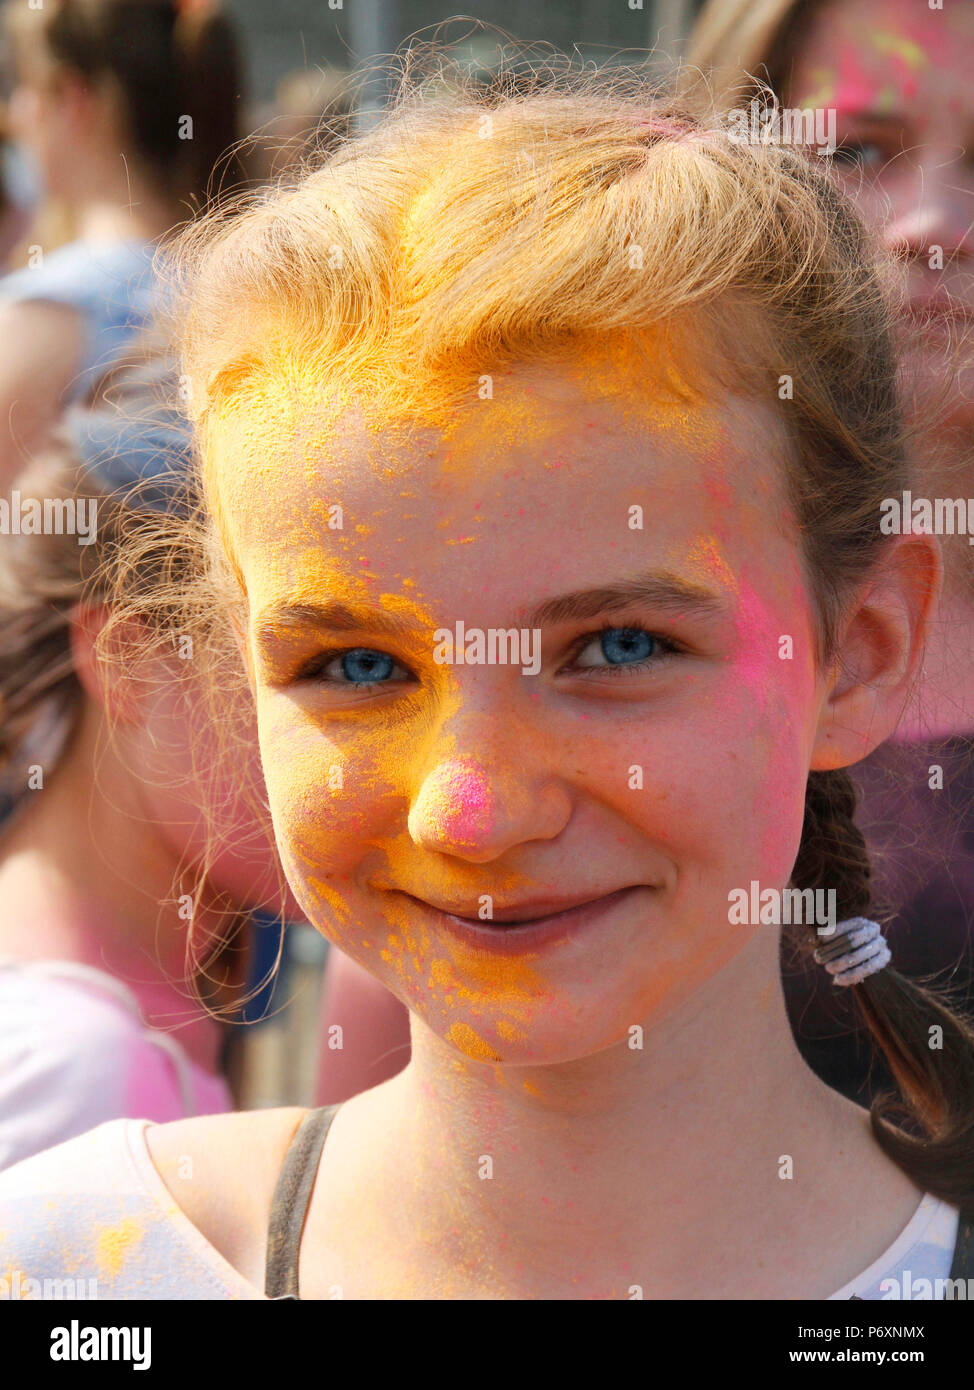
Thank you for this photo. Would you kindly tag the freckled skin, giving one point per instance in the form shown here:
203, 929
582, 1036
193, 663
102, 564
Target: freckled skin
463, 781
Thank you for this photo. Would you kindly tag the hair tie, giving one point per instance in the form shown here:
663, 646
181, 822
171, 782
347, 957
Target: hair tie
859, 950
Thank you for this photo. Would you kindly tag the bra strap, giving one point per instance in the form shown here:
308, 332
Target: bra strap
292, 1196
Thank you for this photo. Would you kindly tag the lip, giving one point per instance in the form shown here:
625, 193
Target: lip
508, 933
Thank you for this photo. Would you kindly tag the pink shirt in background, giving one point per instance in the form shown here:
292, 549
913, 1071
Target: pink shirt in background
75, 1052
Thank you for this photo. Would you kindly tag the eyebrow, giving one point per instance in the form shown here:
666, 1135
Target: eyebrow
661, 590
328, 617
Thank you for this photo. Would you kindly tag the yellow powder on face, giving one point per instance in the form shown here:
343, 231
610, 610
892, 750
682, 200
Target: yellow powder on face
114, 1244
508, 1032
706, 555
470, 1043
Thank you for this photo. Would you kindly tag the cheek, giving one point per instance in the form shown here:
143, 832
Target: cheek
330, 796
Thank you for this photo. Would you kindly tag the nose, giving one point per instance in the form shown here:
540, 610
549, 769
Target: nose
477, 808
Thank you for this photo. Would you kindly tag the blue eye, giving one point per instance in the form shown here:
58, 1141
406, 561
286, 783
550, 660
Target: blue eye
621, 647
855, 153
362, 664
358, 666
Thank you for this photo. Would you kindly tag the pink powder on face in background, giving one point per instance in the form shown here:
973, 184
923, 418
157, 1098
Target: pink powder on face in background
857, 87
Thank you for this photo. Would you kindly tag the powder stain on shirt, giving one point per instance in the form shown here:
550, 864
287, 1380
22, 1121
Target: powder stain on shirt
114, 1243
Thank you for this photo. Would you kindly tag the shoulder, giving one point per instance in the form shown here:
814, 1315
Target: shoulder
95, 1212
79, 273
71, 1059
46, 1016
222, 1170
59, 1208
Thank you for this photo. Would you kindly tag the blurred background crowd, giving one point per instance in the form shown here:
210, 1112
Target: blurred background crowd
119, 119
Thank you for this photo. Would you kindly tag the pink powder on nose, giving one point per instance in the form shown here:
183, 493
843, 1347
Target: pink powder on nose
458, 803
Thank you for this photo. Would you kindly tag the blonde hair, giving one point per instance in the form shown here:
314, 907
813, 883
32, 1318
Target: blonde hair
475, 226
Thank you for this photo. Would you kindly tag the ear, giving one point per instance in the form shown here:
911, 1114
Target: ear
880, 652
106, 679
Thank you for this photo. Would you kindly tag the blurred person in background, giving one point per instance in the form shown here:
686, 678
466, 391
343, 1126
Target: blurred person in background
898, 76
19, 195
311, 112
120, 918
125, 108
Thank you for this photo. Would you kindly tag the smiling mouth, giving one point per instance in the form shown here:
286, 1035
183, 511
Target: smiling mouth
530, 914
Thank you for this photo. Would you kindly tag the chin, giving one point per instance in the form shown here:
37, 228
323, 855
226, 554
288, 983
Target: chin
562, 1030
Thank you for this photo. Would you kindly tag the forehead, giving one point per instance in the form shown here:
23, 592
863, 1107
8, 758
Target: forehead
553, 470
876, 53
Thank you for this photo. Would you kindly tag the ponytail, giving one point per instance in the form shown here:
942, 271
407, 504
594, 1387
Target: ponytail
928, 1128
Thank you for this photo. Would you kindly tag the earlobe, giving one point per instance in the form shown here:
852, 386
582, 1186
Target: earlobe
880, 653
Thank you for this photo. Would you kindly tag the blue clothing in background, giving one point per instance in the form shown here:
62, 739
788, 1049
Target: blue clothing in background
112, 286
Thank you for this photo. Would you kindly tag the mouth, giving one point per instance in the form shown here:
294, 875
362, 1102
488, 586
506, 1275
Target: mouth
533, 923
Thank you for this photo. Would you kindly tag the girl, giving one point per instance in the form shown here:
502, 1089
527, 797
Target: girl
125, 106
104, 863
897, 78
544, 434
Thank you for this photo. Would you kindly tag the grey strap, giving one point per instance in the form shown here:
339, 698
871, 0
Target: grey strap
289, 1208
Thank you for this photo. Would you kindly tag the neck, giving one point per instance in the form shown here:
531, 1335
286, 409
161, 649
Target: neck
118, 203
87, 876
97, 221
659, 1168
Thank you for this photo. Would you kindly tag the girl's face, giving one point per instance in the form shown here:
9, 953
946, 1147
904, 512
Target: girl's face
898, 74
200, 787
645, 754
39, 119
